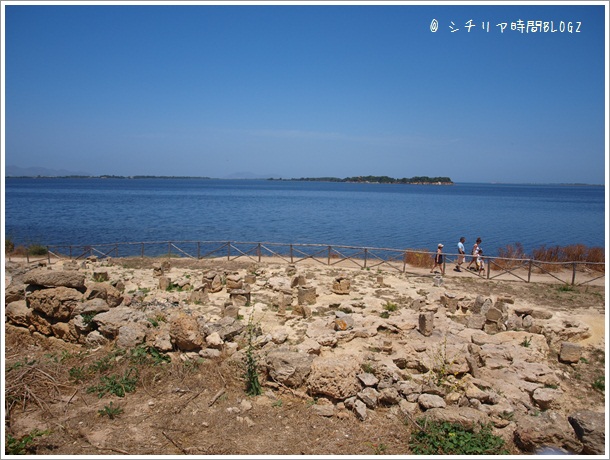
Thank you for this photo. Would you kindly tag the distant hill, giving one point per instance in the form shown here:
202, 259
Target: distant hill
35, 171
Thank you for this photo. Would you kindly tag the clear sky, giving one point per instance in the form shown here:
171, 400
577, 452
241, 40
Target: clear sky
307, 91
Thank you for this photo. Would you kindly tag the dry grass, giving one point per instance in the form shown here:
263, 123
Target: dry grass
421, 258
553, 258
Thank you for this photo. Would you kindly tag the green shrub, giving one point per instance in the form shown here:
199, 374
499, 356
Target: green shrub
444, 438
37, 250
9, 246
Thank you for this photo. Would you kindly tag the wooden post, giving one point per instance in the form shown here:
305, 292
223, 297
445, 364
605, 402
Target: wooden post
142, 250
404, 262
366, 252
573, 273
258, 251
228, 250
198, 250
48, 255
291, 254
169, 249
529, 271
329, 249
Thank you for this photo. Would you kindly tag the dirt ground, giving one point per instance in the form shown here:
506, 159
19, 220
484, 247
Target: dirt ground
200, 407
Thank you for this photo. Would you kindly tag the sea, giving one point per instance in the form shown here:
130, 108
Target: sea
90, 211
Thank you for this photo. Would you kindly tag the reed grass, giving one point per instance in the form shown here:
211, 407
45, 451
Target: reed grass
419, 258
554, 258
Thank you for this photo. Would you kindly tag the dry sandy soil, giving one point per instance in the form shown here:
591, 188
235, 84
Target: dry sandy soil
200, 407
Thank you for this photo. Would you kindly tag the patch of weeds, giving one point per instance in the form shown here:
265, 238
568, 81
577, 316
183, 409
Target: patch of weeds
110, 411
106, 363
99, 277
155, 320
116, 385
444, 438
368, 368
566, 288
253, 386
87, 318
20, 364
78, 374
20, 446
174, 287
600, 383
551, 385
506, 415
277, 403
584, 360
390, 306
442, 363
144, 354
378, 449
527, 341
385, 314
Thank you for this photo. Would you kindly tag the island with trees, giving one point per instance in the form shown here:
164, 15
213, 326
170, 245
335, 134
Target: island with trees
418, 180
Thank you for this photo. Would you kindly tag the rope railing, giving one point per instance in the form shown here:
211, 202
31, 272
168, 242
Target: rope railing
361, 257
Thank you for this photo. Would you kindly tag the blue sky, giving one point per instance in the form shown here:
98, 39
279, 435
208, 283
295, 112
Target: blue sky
307, 91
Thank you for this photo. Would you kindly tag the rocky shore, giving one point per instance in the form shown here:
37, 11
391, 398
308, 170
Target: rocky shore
358, 343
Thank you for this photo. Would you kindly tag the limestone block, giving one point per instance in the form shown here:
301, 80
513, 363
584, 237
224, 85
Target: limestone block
55, 278
334, 376
341, 286
426, 323
570, 352
306, 295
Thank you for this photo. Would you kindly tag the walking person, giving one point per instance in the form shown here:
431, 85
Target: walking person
480, 261
438, 258
461, 254
474, 253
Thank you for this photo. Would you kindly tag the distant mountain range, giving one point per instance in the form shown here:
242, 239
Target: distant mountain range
35, 171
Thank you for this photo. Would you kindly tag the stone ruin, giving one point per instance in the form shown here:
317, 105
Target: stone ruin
458, 359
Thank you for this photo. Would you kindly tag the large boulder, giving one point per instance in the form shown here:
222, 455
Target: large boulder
548, 429
185, 334
106, 291
288, 367
109, 323
55, 278
334, 376
589, 427
467, 417
18, 312
55, 303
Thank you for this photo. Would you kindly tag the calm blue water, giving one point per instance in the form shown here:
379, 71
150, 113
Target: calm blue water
96, 211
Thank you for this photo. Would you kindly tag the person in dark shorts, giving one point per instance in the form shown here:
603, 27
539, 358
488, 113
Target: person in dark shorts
438, 259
